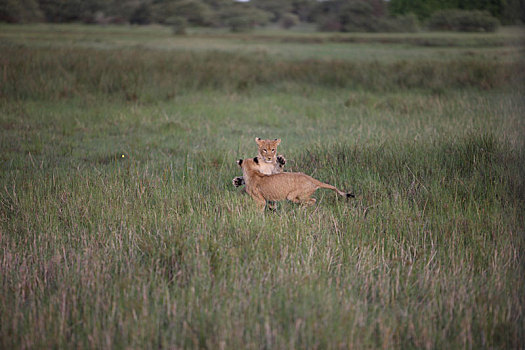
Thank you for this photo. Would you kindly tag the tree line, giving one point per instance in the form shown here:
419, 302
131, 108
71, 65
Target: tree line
329, 15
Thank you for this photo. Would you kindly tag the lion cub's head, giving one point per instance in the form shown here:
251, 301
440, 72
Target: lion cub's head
268, 149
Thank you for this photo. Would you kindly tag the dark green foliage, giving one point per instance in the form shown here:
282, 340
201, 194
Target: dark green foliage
242, 17
346, 16
289, 20
507, 11
141, 15
71, 10
332, 15
421, 8
400, 23
462, 21
194, 12
178, 24
277, 8
360, 16
19, 11
304, 9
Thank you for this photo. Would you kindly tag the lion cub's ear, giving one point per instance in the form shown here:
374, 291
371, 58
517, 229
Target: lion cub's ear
258, 140
239, 162
277, 142
256, 160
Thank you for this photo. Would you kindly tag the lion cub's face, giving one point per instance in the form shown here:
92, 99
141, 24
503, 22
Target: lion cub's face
267, 149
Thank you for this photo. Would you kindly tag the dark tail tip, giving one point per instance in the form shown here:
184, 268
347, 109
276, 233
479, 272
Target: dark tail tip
350, 195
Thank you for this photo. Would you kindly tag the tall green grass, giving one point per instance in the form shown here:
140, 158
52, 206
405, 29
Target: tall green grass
150, 75
119, 226
430, 254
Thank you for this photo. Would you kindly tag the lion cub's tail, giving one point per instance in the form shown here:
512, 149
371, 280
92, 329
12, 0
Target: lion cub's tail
330, 187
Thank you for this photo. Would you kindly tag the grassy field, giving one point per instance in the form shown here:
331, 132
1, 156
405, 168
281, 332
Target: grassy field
120, 228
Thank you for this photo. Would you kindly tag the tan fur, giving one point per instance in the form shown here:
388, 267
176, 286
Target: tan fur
271, 163
267, 153
296, 187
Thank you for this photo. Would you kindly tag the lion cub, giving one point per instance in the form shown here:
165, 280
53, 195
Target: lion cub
271, 162
296, 187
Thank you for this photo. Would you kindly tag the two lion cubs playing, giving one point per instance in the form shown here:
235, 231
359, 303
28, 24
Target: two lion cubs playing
266, 181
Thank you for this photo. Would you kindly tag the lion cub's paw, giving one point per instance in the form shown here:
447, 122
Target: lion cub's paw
238, 181
281, 161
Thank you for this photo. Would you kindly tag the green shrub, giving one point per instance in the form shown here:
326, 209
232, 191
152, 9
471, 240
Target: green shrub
141, 15
346, 16
241, 18
289, 20
178, 25
361, 16
404, 23
463, 21
20, 11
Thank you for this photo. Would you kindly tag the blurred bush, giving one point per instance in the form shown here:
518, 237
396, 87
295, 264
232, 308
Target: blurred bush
243, 17
141, 15
361, 16
194, 12
19, 11
178, 24
463, 21
289, 20
403, 23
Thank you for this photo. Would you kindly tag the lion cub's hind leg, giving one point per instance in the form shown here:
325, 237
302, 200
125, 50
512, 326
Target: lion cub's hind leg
310, 201
307, 200
301, 197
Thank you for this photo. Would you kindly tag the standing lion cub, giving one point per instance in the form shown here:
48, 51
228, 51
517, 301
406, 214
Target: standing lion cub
270, 163
296, 187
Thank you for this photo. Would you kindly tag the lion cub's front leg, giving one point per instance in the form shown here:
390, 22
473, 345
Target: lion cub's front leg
238, 181
258, 198
281, 161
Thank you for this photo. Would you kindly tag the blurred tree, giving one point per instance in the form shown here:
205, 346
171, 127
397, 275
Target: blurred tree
91, 9
463, 20
304, 9
19, 11
121, 10
507, 11
218, 5
141, 15
421, 8
178, 25
60, 10
243, 16
195, 12
514, 12
71, 10
276, 7
288, 20
357, 16
217, 10
349, 15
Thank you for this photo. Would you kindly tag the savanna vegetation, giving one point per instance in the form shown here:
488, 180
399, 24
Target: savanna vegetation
120, 228
243, 15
